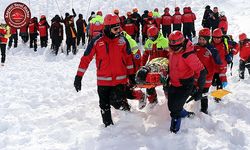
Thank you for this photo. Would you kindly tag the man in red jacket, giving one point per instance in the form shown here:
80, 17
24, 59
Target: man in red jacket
114, 64
177, 19
43, 27
166, 22
209, 57
244, 51
184, 68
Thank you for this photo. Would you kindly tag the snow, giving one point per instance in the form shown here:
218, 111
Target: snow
41, 110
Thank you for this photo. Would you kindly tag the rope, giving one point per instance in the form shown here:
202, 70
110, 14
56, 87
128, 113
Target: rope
58, 8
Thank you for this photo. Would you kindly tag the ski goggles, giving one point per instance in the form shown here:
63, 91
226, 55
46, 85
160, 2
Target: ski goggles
176, 47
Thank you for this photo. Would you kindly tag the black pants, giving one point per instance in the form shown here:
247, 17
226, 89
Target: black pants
44, 41
137, 33
193, 29
177, 97
166, 30
56, 44
216, 81
80, 36
242, 67
204, 100
187, 30
110, 95
176, 27
33, 41
71, 42
144, 38
25, 38
3, 52
15, 38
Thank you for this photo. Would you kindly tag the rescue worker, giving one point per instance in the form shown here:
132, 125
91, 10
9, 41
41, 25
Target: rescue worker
155, 46
33, 33
13, 37
177, 19
244, 50
43, 27
96, 25
130, 26
113, 62
209, 57
166, 22
4, 35
81, 29
184, 68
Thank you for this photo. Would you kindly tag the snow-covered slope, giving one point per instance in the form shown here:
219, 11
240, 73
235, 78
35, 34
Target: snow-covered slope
39, 108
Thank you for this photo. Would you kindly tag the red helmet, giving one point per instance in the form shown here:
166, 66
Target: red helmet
242, 36
176, 38
204, 32
152, 31
111, 19
99, 13
217, 33
166, 9
177, 9
129, 13
116, 11
43, 17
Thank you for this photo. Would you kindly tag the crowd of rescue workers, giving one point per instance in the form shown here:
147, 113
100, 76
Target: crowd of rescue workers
192, 68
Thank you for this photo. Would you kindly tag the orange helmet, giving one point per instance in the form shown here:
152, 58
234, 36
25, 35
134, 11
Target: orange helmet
217, 33
135, 9
176, 38
204, 32
111, 19
116, 11
99, 13
242, 36
150, 14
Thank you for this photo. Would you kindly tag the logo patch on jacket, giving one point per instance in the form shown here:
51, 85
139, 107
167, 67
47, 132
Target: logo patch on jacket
101, 43
207, 53
121, 41
137, 56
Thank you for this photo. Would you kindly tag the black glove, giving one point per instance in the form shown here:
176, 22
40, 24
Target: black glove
78, 83
132, 79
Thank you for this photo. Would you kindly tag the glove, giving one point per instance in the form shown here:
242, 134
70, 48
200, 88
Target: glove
229, 58
197, 95
224, 84
78, 83
132, 79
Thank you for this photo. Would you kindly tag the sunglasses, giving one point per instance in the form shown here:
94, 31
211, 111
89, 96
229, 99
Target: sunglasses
176, 47
216, 37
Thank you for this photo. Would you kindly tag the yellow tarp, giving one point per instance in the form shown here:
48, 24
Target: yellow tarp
220, 93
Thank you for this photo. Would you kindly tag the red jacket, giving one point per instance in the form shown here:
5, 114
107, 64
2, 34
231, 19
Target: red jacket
130, 28
207, 60
223, 23
113, 60
221, 69
188, 17
150, 22
244, 50
177, 18
184, 68
166, 19
3, 40
13, 30
95, 29
33, 27
43, 28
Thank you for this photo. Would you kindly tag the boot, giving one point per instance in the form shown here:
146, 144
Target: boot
175, 125
141, 97
185, 113
204, 105
152, 100
106, 117
125, 106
